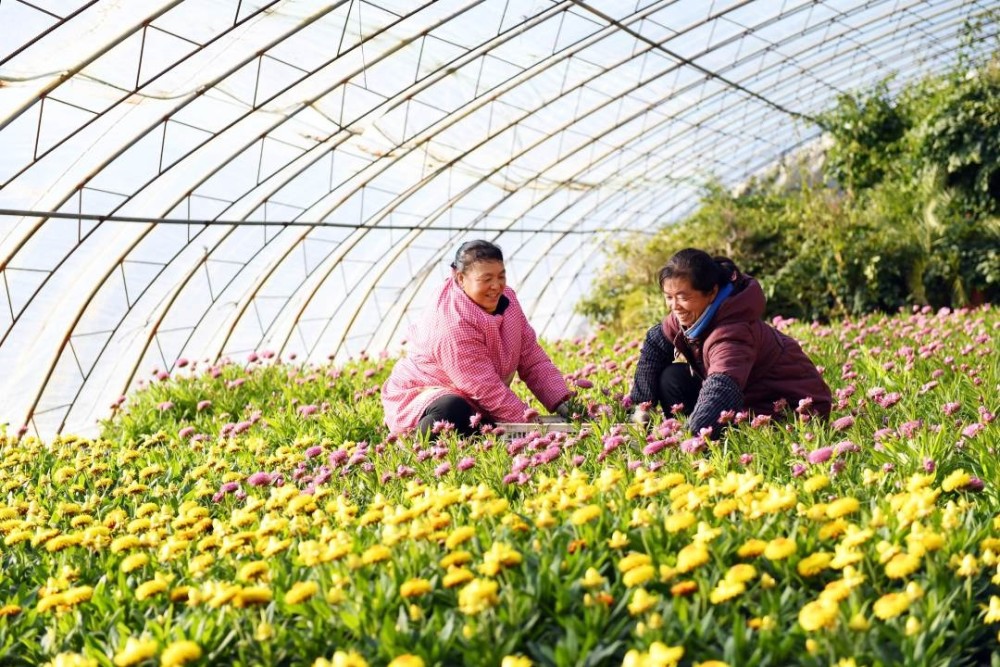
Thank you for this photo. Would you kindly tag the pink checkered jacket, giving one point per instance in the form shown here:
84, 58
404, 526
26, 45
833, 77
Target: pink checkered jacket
459, 348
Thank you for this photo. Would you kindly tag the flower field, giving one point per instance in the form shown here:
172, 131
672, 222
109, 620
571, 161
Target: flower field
256, 512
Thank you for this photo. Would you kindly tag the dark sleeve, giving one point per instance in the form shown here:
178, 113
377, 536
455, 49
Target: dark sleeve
718, 393
656, 353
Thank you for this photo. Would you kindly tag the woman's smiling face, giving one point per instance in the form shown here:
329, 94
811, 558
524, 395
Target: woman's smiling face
684, 301
484, 282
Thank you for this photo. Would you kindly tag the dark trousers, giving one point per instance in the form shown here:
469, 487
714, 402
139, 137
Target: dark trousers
678, 385
449, 408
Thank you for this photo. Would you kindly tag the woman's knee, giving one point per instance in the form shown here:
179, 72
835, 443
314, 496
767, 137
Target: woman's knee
678, 386
449, 408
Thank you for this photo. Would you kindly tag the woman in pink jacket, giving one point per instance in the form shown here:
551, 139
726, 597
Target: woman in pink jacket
465, 350
714, 354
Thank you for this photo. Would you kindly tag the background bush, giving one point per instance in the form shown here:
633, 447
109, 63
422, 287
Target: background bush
898, 205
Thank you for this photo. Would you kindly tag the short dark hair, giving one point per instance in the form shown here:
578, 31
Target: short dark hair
701, 269
471, 252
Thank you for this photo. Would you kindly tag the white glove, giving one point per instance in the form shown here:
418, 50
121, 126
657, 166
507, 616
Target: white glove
640, 417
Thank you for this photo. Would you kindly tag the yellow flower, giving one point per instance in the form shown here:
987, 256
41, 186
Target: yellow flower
460, 535
741, 572
967, 566
585, 514
456, 577
301, 591
592, 579
499, 555
634, 560
956, 480
761, 623
682, 588
254, 571
821, 613
134, 562
376, 554
180, 653
124, 543
407, 660
263, 632
780, 548
993, 613
726, 590
815, 483
692, 556
455, 558
618, 540
415, 588
642, 600
478, 596
902, 565
681, 521
814, 563
842, 507
253, 595
638, 576
859, 623
71, 660
342, 659
711, 663
135, 651
148, 589
913, 626
891, 605
9, 610
752, 548
516, 661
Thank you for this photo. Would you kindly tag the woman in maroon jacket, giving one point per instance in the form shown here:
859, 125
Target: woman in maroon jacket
713, 352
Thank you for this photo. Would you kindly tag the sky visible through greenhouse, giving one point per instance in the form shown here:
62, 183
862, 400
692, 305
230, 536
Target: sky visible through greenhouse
202, 179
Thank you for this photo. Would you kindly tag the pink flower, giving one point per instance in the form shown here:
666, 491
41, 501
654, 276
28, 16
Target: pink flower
583, 383
889, 400
692, 445
843, 423
182, 362
951, 408
798, 470
306, 410
442, 469
260, 479
746, 458
676, 408
475, 419
929, 465
185, 432
165, 405
466, 463
204, 405
654, 447
530, 415
972, 430
821, 455
760, 421
314, 451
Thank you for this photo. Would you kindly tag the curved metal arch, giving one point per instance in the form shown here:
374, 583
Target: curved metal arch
416, 142
294, 246
88, 300
108, 161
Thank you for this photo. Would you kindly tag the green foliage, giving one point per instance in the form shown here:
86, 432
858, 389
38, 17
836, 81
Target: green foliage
909, 213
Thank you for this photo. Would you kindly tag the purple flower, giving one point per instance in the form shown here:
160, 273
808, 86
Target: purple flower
929, 465
583, 383
907, 429
821, 455
972, 430
337, 457
442, 426
975, 484
837, 467
654, 447
530, 415
314, 451
306, 410
475, 419
746, 458
889, 400
951, 408
692, 445
676, 408
185, 432
888, 467
843, 423
760, 420
229, 487
798, 470
845, 446
466, 463
442, 469
578, 460
260, 479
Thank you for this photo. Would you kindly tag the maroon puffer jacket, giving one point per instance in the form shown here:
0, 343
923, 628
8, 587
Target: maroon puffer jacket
765, 363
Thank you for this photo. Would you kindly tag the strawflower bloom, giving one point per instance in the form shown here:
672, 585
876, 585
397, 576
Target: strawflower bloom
180, 653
